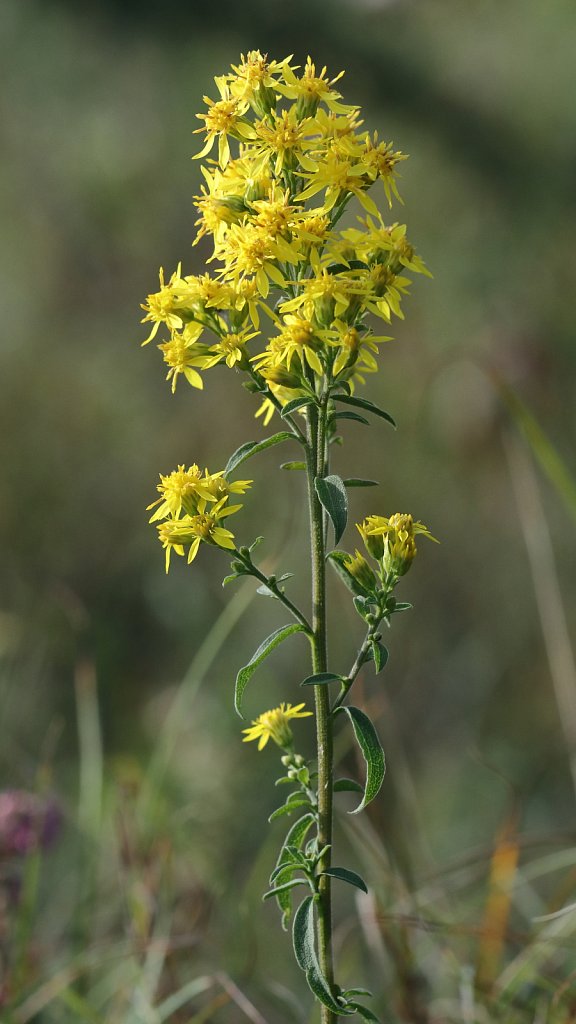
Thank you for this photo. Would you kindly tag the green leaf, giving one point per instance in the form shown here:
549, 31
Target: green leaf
319, 986
355, 481
363, 403
289, 806
285, 887
363, 606
293, 465
338, 560
347, 876
285, 870
320, 678
349, 416
295, 404
332, 494
379, 654
303, 934
265, 648
232, 577
347, 786
305, 953
246, 451
295, 836
357, 992
402, 606
372, 752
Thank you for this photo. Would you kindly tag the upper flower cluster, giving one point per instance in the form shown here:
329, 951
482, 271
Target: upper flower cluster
291, 155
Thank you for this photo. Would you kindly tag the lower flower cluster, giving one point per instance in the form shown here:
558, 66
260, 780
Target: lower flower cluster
192, 508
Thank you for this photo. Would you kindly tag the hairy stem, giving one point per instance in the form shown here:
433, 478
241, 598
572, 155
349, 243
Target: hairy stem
316, 466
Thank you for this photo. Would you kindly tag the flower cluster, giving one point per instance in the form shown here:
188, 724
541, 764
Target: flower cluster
291, 155
390, 542
192, 507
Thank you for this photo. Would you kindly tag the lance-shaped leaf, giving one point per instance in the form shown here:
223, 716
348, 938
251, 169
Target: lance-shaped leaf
363, 403
347, 786
295, 404
379, 654
294, 801
346, 876
246, 451
285, 887
293, 465
371, 750
332, 495
294, 838
266, 647
321, 678
356, 481
305, 953
349, 416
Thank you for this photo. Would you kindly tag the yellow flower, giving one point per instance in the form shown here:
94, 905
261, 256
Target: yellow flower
249, 250
354, 349
230, 349
283, 140
326, 295
224, 118
255, 80
275, 725
187, 490
216, 213
379, 161
340, 175
311, 89
160, 306
391, 540
298, 337
182, 356
176, 534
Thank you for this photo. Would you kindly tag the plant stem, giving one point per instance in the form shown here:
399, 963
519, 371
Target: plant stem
316, 466
253, 570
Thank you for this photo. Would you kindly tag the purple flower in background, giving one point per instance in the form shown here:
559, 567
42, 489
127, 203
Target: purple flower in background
27, 821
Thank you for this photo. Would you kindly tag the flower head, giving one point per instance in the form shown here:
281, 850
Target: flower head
190, 531
275, 725
186, 490
391, 540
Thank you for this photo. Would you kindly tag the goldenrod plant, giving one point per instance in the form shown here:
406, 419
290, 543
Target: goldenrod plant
289, 306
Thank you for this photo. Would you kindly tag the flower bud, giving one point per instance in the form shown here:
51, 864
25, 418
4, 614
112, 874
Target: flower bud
277, 375
358, 567
400, 546
374, 543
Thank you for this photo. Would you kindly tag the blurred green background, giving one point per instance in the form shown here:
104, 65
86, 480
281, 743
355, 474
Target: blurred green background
96, 113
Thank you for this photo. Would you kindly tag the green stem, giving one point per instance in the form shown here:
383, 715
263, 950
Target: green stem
316, 466
360, 659
272, 586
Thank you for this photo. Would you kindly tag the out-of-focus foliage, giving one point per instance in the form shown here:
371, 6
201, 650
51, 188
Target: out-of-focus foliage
96, 116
